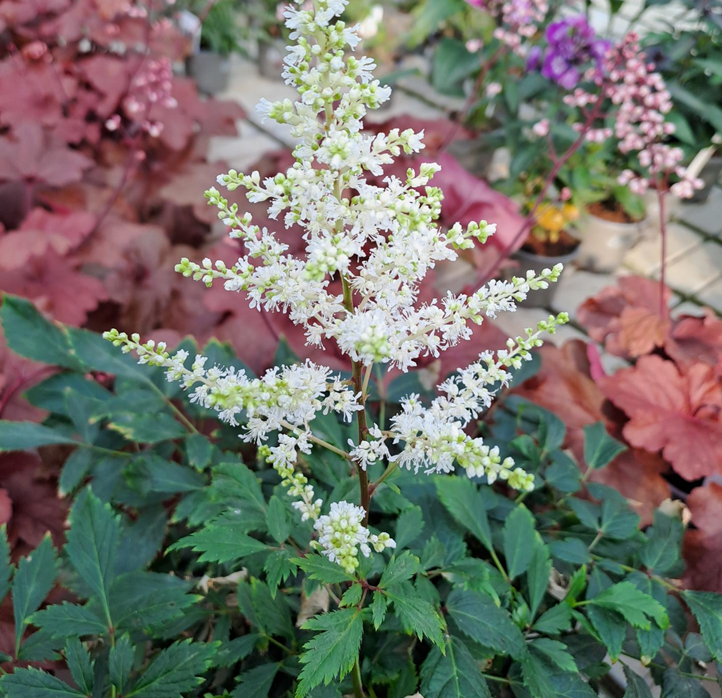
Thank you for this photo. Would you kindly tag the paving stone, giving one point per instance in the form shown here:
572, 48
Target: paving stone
243, 151
248, 87
644, 258
575, 286
712, 295
707, 216
515, 323
687, 308
696, 269
402, 103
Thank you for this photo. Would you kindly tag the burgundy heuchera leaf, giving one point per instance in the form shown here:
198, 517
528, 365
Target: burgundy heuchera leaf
677, 413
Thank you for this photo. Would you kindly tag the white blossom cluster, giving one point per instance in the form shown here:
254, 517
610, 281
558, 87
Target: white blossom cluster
380, 242
342, 534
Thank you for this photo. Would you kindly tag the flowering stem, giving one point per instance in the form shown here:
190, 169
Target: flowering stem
316, 440
661, 193
363, 430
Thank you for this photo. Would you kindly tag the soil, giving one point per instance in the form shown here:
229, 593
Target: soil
610, 211
544, 248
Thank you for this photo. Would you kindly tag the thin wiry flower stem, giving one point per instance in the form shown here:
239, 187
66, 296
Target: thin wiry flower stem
317, 441
363, 429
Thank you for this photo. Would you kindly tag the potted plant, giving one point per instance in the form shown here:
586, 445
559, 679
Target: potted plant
552, 238
265, 27
613, 217
210, 65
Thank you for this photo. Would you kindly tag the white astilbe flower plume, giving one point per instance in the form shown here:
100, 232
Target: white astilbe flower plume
380, 242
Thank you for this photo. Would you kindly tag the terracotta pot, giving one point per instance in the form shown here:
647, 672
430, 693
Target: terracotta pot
605, 243
529, 260
211, 71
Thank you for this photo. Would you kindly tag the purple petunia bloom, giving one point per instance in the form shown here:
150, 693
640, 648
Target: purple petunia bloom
571, 46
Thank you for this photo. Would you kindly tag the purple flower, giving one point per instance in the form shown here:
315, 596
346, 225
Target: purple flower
571, 46
534, 59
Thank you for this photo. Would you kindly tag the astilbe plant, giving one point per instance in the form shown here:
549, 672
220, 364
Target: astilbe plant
381, 242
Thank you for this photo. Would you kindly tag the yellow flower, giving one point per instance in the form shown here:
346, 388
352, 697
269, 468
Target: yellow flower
552, 219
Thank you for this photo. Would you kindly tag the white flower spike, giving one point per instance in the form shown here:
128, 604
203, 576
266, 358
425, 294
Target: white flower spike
380, 242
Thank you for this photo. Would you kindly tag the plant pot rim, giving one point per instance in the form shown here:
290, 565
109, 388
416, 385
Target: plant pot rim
617, 224
551, 260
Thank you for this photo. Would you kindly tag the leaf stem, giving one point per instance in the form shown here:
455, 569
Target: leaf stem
358, 690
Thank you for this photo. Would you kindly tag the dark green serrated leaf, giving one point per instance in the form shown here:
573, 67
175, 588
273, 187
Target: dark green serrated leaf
278, 568
142, 600
707, 609
272, 612
379, 606
199, 450
177, 669
611, 628
518, 531
75, 469
147, 428
141, 540
221, 543
463, 501
92, 545
399, 569
68, 620
636, 607
277, 518
409, 526
237, 480
454, 674
236, 649
416, 614
556, 620
636, 685
22, 436
33, 581
600, 448
536, 676
675, 685
538, 573
571, 550
618, 519
478, 617
554, 652
6, 568
120, 663
33, 683
256, 682
30, 334
563, 474
662, 550
167, 477
695, 647
322, 569
81, 668
332, 653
